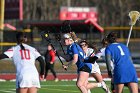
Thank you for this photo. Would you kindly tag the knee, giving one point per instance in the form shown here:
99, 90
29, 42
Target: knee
80, 84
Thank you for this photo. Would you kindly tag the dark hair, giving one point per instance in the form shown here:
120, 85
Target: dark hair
111, 37
104, 42
93, 45
84, 41
49, 44
20, 37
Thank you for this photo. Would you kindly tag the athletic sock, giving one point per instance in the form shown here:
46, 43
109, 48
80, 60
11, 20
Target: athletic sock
89, 91
99, 84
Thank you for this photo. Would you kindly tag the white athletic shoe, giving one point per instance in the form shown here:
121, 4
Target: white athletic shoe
89, 91
105, 87
56, 80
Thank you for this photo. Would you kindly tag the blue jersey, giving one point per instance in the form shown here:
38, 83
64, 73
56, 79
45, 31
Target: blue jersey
124, 70
76, 49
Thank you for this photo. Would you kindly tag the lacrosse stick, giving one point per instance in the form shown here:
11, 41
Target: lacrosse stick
134, 16
48, 39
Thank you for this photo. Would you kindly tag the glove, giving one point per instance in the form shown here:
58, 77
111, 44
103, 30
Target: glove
91, 60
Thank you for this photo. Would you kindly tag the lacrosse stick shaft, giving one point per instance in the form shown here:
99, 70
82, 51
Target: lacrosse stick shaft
129, 35
56, 51
57, 55
62, 47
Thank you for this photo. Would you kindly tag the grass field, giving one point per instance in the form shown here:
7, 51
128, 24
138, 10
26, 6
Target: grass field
52, 87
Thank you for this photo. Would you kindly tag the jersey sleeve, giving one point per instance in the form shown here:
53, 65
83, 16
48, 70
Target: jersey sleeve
36, 53
9, 52
108, 61
75, 49
100, 53
91, 52
107, 51
52, 54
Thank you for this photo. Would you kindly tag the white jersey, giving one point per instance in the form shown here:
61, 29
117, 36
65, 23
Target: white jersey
95, 66
89, 52
24, 60
101, 54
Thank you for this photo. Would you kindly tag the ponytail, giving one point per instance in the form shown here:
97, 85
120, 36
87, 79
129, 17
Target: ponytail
21, 38
22, 47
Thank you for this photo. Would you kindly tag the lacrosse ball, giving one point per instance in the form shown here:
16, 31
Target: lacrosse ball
46, 35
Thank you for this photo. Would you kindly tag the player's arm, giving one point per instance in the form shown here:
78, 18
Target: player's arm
2, 56
42, 65
74, 60
52, 54
91, 59
108, 64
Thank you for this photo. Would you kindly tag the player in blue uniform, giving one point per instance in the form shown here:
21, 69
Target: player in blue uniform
124, 71
83, 69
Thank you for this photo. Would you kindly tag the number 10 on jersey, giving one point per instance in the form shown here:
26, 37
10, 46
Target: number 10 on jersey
25, 54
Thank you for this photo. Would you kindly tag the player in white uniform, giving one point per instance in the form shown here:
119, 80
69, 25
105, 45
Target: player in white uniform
101, 55
96, 73
24, 56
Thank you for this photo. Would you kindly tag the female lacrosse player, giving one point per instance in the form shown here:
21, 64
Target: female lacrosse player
101, 55
50, 60
96, 73
84, 69
24, 56
124, 71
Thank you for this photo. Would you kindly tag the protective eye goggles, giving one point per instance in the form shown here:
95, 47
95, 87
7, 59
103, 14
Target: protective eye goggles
83, 45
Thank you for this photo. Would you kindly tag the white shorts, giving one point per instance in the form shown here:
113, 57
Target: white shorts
95, 68
28, 80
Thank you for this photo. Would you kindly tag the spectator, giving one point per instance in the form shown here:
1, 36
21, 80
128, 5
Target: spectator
50, 60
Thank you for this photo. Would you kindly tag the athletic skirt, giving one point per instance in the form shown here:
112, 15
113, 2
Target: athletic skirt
125, 74
27, 80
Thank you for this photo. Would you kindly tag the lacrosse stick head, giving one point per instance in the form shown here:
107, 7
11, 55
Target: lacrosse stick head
134, 16
45, 35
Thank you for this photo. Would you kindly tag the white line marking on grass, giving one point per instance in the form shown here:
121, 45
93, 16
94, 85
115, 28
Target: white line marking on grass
60, 90
59, 85
7, 91
12, 89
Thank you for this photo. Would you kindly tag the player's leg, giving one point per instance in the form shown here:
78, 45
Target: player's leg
133, 87
32, 90
86, 82
17, 90
99, 79
82, 78
52, 70
119, 88
23, 90
138, 89
47, 69
96, 73
94, 85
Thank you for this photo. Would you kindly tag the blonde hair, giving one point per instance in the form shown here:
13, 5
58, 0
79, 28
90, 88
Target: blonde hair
71, 36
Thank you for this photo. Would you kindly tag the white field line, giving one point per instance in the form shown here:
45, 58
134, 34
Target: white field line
58, 85
60, 90
7, 91
62, 86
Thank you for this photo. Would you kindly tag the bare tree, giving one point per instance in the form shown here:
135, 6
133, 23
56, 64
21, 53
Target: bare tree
110, 12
